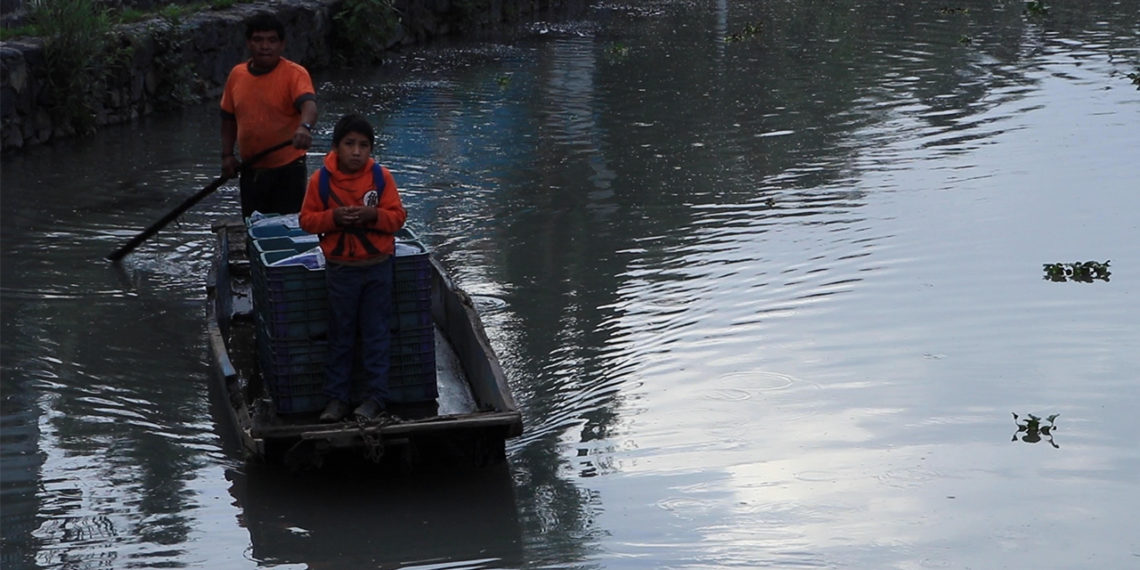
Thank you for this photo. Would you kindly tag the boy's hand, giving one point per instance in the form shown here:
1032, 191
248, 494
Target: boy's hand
367, 215
354, 215
344, 216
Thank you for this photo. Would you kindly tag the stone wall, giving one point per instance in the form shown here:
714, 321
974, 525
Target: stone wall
164, 65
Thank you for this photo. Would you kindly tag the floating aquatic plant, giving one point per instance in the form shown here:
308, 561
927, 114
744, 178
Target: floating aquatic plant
747, 32
618, 50
965, 40
1036, 7
947, 11
1083, 271
1032, 430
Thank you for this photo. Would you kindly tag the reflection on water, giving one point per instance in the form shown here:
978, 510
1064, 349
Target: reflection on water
353, 519
764, 302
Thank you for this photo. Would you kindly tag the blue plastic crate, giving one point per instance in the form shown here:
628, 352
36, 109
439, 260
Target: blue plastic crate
416, 320
280, 287
403, 373
411, 281
264, 261
287, 351
413, 393
293, 373
411, 304
298, 394
408, 295
410, 251
307, 320
272, 244
413, 341
288, 286
272, 292
412, 265
284, 243
280, 372
413, 365
406, 234
274, 230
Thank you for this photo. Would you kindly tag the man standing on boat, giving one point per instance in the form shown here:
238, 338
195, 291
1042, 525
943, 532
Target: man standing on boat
268, 100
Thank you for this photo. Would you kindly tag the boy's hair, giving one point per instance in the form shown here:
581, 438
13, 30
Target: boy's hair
353, 124
264, 23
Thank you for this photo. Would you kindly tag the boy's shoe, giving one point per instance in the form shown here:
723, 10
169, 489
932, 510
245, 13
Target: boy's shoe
369, 410
334, 411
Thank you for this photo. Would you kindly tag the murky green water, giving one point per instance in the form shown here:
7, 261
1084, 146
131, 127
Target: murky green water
767, 279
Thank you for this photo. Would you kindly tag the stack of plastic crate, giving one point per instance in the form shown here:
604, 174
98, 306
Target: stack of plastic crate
291, 308
411, 378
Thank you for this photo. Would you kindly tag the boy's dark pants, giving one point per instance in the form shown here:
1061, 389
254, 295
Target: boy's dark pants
360, 299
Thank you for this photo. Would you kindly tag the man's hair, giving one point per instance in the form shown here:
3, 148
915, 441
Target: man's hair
353, 124
264, 23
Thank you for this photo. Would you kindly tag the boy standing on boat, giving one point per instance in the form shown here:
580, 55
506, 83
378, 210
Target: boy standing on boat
268, 100
353, 204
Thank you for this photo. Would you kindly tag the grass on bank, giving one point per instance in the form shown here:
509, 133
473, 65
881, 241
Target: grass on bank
38, 26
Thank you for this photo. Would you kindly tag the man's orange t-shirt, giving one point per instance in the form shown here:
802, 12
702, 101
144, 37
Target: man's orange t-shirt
267, 108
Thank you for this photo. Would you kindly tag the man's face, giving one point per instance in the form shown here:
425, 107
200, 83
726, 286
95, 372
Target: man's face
265, 47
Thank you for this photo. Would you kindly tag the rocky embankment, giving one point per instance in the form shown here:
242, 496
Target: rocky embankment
165, 63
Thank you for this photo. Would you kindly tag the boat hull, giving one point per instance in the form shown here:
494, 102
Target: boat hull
470, 427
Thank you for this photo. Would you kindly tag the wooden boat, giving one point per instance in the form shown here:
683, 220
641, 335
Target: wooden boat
470, 421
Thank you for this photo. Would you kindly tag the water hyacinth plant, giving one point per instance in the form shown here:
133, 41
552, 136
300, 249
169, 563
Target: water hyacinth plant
1031, 430
1083, 271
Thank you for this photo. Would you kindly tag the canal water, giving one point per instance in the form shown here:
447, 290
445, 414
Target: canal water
769, 280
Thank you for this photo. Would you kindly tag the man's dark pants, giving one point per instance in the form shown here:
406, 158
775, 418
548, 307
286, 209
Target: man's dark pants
274, 190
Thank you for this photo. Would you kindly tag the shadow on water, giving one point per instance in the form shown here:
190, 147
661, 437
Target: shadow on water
352, 518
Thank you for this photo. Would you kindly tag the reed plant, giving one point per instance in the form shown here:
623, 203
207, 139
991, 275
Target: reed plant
76, 37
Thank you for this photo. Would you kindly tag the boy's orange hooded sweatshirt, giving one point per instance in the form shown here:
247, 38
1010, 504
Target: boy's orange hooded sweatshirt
353, 245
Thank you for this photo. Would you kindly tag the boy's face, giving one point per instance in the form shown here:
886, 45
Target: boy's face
352, 152
265, 47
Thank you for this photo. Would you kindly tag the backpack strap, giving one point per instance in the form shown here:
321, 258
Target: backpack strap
378, 181
326, 190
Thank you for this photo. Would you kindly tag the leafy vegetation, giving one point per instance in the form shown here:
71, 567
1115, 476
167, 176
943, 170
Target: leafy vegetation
466, 13
76, 35
365, 27
174, 76
117, 15
1085, 271
18, 32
